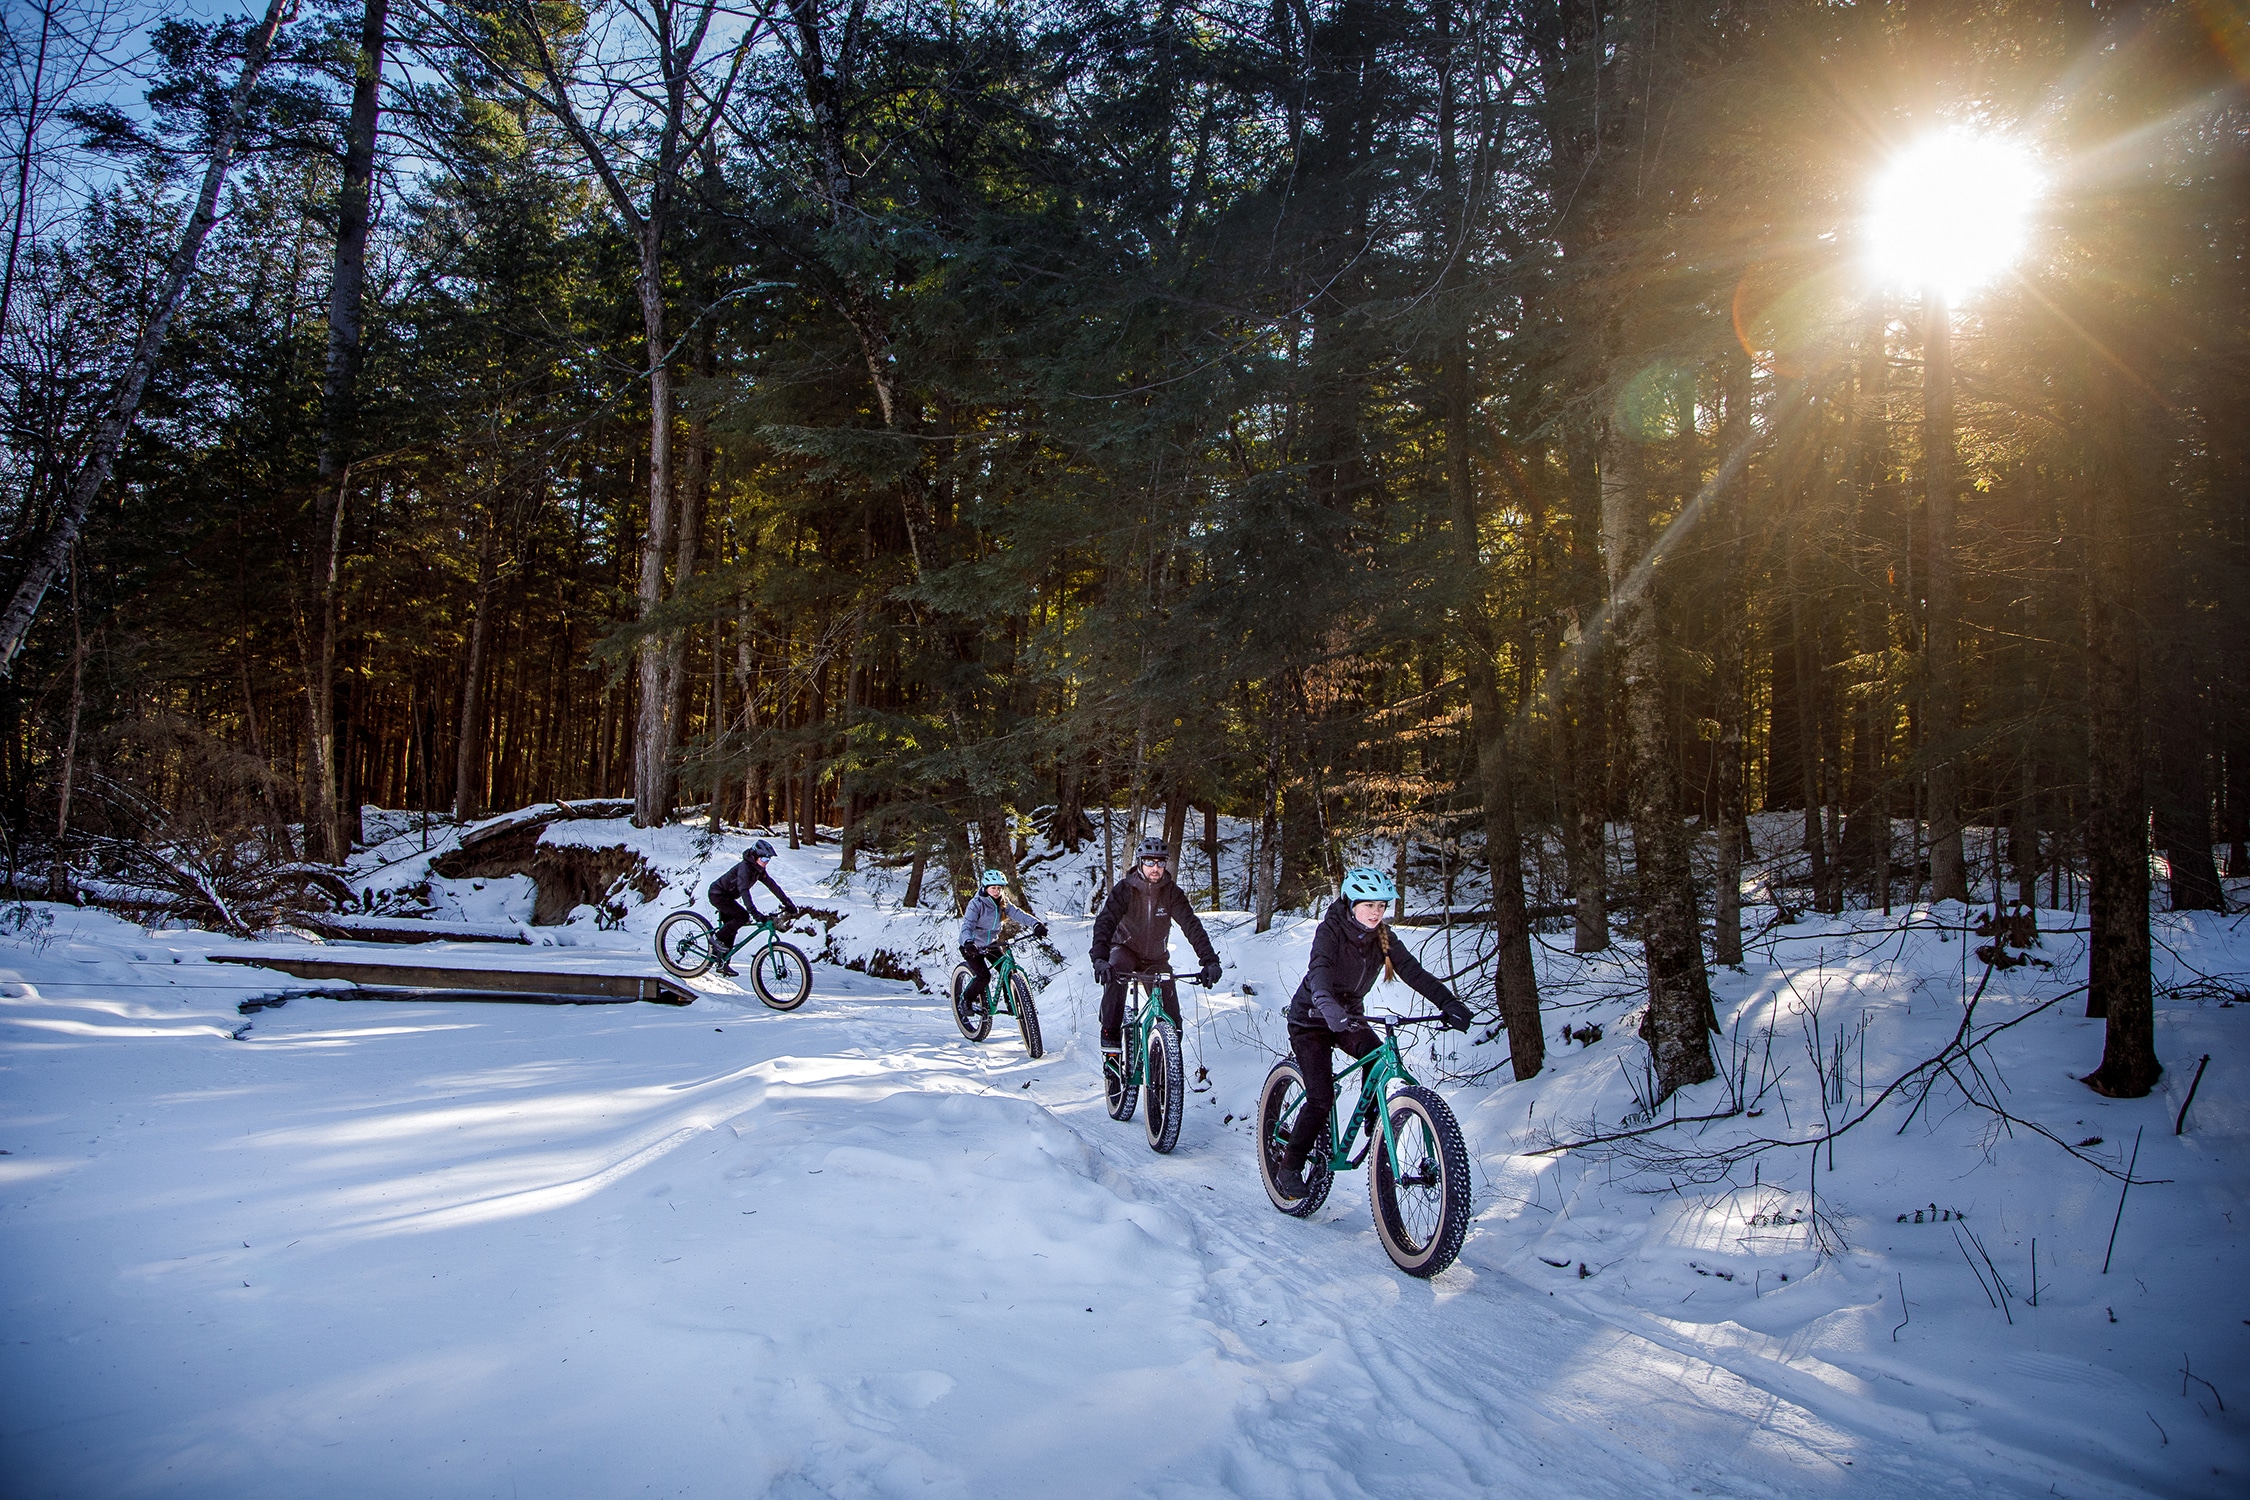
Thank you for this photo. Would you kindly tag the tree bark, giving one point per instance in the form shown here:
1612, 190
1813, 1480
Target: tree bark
1729, 662
52, 551
1949, 879
339, 410
468, 764
1516, 981
1679, 1018
2117, 962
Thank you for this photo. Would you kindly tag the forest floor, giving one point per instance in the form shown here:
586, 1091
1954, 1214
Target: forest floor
354, 1248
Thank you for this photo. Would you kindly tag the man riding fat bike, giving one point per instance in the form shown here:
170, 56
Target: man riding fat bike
1133, 935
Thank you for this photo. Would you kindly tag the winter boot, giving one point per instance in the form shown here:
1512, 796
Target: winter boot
1289, 1176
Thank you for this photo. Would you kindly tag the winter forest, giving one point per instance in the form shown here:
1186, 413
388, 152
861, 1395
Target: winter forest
1646, 475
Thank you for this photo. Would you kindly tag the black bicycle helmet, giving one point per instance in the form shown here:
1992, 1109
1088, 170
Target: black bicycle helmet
763, 849
1152, 848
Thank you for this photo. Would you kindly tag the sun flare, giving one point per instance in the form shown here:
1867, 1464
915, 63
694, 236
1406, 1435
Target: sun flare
1951, 212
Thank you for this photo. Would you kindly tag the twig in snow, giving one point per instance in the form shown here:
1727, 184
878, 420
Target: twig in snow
2187, 1374
1905, 1316
1970, 1262
2121, 1192
2180, 1124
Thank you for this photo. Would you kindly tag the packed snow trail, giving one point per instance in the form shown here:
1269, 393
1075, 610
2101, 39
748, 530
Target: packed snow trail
385, 1249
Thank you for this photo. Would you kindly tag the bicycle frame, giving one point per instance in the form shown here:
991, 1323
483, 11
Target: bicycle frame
1378, 1070
1143, 1021
766, 929
999, 995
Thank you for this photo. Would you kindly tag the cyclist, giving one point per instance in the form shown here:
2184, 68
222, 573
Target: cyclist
731, 890
980, 930
1133, 935
1351, 949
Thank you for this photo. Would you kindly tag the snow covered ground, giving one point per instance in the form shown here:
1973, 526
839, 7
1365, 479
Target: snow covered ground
345, 1247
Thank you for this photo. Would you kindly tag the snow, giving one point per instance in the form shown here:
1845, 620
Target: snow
357, 1248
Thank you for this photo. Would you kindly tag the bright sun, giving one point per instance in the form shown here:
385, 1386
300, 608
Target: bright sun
1951, 212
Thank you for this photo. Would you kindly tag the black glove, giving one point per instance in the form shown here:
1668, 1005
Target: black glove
1039, 930
1101, 971
969, 950
1457, 1015
790, 913
1208, 975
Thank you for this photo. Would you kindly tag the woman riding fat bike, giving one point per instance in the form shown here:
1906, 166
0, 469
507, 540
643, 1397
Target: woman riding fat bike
1351, 950
731, 890
1133, 935
980, 930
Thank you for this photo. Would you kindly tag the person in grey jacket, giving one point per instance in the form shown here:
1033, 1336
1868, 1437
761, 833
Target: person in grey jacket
1351, 949
980, 930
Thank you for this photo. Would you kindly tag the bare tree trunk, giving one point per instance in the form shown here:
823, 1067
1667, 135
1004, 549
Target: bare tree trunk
347, 292
48, 557
1949, 880
1729, 663
468, 767
2117, 963
1516, 981
1679, 1017
1269, 830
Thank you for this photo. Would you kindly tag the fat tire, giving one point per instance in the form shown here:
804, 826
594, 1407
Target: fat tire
781, 991
1166, 1088
1279, 1099
1421, 1224
1027, 1017
1120, 1093
684, 944
975, 1021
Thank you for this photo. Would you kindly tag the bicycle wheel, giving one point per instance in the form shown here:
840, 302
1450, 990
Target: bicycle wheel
1122, 1089
1167, 1088
782, 976
1421, 1201
974, 1017
1027, 1017
1279, 1099
683, 944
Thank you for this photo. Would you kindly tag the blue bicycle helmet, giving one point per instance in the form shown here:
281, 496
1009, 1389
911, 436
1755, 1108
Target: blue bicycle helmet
763, 849
993, 877
1366, 883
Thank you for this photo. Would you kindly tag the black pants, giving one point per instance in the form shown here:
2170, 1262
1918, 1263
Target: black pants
980, 972
1311, 1046
1123, 961
732, 917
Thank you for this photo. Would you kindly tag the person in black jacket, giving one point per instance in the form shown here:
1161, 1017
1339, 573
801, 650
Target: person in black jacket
1133, 935
1351, 949
731, 890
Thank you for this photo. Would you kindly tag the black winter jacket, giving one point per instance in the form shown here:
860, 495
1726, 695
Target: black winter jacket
1347, 959
1138, 916
740, 879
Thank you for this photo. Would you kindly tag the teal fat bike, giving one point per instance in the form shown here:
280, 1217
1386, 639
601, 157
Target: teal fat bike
1152, 1072
973, 1014
688, 946
1418, 1183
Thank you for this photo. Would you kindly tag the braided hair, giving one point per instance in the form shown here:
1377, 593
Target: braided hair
1383, 936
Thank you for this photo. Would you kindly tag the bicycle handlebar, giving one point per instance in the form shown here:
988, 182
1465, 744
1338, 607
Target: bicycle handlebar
1410, 1020
1160, 976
